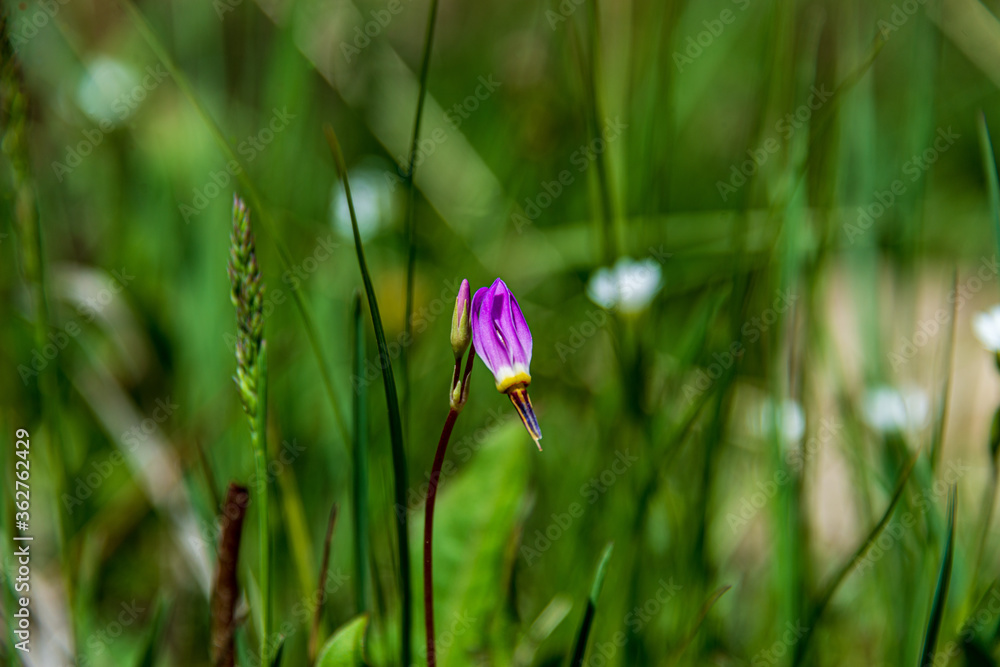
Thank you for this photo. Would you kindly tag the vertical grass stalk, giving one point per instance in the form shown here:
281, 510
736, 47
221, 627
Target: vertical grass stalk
259, 442
247, 296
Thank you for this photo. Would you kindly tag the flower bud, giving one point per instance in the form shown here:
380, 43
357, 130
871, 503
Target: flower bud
461, 326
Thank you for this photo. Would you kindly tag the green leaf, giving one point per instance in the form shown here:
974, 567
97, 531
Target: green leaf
346, 648
941, 591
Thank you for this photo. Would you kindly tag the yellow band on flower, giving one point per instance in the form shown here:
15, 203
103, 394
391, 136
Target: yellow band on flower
508, 381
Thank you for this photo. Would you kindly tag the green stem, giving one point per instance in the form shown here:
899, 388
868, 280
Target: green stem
449, 424
259, 442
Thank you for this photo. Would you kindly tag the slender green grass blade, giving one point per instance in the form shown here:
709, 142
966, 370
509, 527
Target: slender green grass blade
392, 404
411, 253
702, 614
941, 591
580, 649
992, 179
360, 487
817, 613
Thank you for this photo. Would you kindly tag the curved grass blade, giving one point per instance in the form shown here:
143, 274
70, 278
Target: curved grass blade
392, 404
580, 650
941, 591
411, 254
817, 613
256, 201
359, 507
992, 179
702, 614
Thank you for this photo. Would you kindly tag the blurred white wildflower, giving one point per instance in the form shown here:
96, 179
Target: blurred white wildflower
628, 286
375, 203
787, 415
987, 328
891, 410
104, 90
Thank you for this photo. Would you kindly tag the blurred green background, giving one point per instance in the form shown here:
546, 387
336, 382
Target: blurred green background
800, 184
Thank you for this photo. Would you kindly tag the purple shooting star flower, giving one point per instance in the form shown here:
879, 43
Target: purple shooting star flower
502, 339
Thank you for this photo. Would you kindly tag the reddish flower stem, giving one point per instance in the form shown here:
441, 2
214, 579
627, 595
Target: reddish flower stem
442, 447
